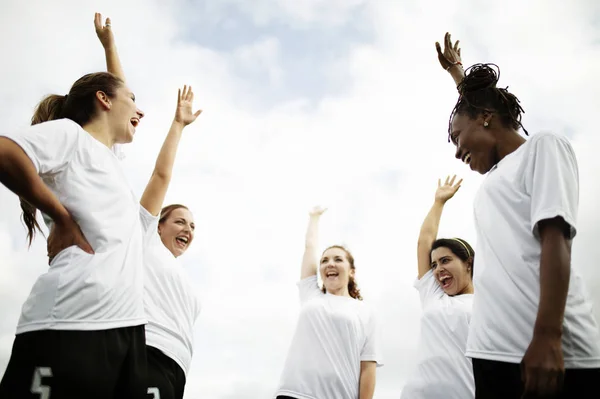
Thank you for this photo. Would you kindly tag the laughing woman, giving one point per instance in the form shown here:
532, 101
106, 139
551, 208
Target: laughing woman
335, 349
445, 267
170, 303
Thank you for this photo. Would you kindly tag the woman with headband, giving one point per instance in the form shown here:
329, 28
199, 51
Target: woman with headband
445, 270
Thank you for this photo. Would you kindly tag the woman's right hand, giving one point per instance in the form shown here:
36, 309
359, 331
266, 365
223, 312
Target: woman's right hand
447, 190
66, 233
104, 32
317, 211
450, 57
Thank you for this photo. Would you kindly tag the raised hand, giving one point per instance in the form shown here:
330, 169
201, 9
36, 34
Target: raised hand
447, 190
185, 100
317, 211
451, 55
104, 32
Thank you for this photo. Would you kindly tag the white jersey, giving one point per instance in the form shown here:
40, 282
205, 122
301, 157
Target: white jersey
171, 304
82, 291
333, 335
538, 181
443, 370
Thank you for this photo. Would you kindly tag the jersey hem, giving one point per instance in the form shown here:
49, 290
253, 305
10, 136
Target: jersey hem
569, 363
292, 394
83, 325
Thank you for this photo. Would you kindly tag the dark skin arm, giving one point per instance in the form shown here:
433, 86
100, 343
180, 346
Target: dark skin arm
542, 366
19, 175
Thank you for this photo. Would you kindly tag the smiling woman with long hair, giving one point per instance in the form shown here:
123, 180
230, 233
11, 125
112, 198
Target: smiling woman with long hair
335, 349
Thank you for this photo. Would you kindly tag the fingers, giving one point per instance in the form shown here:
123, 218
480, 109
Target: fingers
85, 246
439, 183
197, 113
98, 21
190, 94
448, 41
451, 182
107, 24
457, 185
458, 52
439, 49
178, 96
456, 45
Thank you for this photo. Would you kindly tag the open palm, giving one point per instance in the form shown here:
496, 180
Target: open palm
448, 189
185, 100
104, 32
451, 54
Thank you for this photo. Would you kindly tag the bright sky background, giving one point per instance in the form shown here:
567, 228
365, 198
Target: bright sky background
333, 102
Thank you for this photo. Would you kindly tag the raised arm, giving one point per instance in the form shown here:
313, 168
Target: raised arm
19, 175
450, 59
155, 191
309, 260
429, 229
113, 64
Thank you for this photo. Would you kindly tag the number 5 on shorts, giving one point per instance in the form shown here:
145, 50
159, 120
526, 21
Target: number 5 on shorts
154, 392
36, 384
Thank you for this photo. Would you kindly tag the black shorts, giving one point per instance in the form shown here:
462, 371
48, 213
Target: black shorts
500, 380
166, 380
60, 364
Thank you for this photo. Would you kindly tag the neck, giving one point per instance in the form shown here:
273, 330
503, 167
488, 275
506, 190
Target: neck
508, 141
343, 291
100, 131
468, 289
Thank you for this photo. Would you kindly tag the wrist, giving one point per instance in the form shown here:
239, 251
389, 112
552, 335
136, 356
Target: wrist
547, 332
439, 202
178, 124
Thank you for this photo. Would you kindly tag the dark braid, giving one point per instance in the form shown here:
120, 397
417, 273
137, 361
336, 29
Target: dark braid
478, 94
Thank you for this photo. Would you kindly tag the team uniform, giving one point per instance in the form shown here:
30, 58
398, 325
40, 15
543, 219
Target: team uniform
172, 308
443, 370
81, 330
333, 335
538, 181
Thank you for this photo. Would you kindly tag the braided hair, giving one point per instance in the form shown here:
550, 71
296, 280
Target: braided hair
478, 94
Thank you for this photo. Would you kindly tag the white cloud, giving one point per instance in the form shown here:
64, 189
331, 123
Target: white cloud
371, 152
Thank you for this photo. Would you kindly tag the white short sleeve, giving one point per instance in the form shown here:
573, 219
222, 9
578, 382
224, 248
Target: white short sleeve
552, 180
308, 288
371, 351
50, 145
429, 289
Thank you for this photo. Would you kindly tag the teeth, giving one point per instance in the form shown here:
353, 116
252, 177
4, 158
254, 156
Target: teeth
467, 159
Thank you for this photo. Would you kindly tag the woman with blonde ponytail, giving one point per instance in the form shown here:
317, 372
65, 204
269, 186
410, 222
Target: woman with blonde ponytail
81, 330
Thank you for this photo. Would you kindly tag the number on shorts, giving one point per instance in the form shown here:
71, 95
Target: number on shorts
154, 392
36, 385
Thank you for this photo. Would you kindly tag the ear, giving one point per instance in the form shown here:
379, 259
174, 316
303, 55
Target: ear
487, 118
104, 100
352, 272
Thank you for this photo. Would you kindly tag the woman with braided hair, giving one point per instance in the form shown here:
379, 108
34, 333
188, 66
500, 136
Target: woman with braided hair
445, 268
532, 331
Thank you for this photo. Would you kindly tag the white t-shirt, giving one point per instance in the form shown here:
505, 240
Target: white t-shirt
333, 335
171, 304
82, 291
537, 181
443, 370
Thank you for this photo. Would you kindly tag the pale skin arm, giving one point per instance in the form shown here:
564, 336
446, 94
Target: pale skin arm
18, 174
309, 259
431, 224
366, 383
450, 59
156, 190
105, 35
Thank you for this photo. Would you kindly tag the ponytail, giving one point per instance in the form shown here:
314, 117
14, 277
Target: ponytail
49, 109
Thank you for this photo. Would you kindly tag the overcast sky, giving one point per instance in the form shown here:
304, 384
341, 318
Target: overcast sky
334, 102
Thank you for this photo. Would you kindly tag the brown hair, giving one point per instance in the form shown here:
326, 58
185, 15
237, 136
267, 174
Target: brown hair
459, 247
79, 106
352, 286
167, 210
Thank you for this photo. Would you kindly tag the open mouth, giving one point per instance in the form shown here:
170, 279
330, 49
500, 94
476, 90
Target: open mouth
467, 158
331, 274
446, 281
182, 241
134, 122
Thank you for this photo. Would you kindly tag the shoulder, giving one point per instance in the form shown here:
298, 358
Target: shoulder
548, 138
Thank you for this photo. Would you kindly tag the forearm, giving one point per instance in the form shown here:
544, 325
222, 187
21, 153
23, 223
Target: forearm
457, 72
309, 259
166, 157
18, 174
367, 382
555, 271
431, 224
113, 62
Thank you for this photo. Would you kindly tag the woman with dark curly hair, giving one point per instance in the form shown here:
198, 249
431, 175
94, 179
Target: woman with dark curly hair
532, 331
335, 349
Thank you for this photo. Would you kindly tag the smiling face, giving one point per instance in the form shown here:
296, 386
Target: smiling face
177, 231
335, 271
475, 143
124, 115
452, 273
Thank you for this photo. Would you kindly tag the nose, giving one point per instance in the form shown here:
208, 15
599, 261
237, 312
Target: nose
458, 153
140, 113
